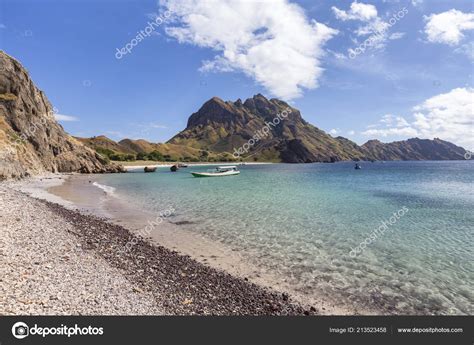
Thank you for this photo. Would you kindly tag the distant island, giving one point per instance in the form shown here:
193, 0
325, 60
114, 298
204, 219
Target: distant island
32, 142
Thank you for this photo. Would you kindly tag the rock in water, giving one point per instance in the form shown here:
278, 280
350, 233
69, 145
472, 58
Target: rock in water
31, 141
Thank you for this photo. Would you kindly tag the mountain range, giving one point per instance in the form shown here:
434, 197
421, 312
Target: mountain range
262, 129
258, 129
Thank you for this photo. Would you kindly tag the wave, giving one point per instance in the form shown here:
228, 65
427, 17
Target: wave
107, 189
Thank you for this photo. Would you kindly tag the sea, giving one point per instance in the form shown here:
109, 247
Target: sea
394, 237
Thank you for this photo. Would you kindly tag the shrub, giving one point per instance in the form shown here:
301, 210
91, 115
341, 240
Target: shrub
122, 157
104, 151
130, 157
155, 156
142, 156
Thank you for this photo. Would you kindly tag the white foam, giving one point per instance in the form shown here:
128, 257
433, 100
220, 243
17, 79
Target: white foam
107, 189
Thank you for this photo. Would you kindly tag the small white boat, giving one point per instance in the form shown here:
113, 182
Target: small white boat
219, 171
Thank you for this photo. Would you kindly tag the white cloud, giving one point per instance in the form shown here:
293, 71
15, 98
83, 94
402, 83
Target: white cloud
334, 131
396, 35
448, 27
388, 132
358, 11
466, 49
390, 125
351, 133
338, 56
65, 118
156, 125
448, 116
416, 3
387, 119
401, 122
392, 120
375, 26
373, 33
273, 42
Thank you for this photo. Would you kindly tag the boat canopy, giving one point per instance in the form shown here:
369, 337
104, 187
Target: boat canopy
226, 168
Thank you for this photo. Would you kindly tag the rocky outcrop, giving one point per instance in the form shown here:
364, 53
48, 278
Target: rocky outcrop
31, 141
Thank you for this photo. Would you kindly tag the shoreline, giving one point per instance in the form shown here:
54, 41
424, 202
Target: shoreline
190, 165
120, 210
77, 192
174, 284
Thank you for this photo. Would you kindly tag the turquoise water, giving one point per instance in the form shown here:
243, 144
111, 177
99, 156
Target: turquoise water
302, 221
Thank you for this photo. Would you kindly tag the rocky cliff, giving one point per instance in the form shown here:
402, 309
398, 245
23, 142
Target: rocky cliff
31, 141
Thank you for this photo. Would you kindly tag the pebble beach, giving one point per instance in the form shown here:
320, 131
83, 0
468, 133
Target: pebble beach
59, 261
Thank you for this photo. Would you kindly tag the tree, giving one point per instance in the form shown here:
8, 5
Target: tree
156, 156
204, 155
142, 156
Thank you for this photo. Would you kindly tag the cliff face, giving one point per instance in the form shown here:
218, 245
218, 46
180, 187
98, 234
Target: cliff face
226, 126
31, 141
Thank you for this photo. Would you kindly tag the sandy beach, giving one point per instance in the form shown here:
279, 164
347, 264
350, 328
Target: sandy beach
61, 260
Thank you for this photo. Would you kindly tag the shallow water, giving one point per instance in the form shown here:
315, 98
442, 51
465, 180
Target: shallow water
302, 222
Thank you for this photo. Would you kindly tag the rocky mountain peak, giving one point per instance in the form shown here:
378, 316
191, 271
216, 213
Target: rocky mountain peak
226, 126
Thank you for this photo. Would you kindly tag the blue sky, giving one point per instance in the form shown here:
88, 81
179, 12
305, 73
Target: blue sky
414, 78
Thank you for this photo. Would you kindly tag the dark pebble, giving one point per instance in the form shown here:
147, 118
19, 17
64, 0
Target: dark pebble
176, 278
